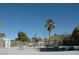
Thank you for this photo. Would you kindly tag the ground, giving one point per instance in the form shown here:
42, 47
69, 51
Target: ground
33, 51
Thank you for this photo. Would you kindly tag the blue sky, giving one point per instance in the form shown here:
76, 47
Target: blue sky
30, 18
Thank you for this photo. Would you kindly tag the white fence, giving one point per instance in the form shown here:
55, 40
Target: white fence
9, 43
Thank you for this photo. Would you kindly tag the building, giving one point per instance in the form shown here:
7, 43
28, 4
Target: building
2, 36
4, 42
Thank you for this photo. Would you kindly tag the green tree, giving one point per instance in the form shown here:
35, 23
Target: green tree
16, 39
22, 37
49, 24
66, 36
75, 36
66, 40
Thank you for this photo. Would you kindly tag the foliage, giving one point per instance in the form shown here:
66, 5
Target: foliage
22, 37
35, 39
66, 39
72, 39
49, 24
16, 39
75, 36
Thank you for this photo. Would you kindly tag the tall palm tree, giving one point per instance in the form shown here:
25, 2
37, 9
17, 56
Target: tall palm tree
50, 24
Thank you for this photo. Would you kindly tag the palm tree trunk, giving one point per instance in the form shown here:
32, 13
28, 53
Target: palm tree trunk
44, 33
49, 36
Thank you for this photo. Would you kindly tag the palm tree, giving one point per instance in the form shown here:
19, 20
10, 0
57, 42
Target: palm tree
49, 25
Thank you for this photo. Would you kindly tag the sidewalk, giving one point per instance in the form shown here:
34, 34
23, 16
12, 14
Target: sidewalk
33, 51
